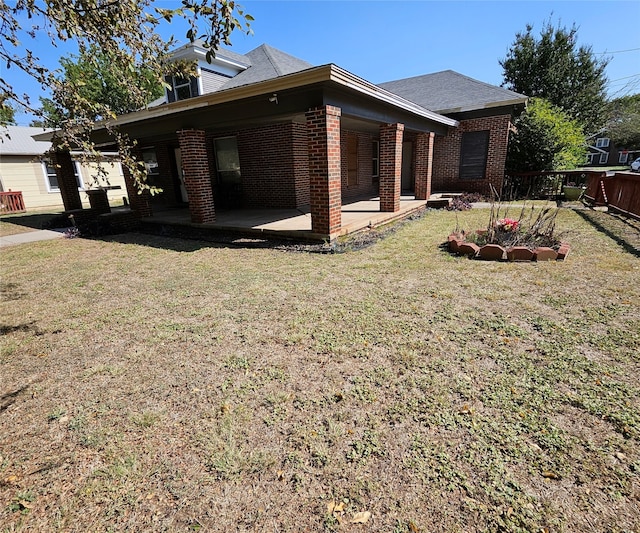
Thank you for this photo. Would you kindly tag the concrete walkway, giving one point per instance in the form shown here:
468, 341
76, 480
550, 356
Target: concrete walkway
31, 236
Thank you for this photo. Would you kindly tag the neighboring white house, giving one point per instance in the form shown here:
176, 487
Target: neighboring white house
24, 168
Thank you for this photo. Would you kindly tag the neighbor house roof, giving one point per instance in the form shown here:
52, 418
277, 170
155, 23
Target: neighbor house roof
18, 140
450, 92
267, 63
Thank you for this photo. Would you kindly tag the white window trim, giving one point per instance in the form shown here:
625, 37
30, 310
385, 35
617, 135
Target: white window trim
177, 86
77, 173
623, 157
375, 157
602, 142
590, 158
604, 158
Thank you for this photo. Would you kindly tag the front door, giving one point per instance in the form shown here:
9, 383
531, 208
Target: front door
183, 190
408, 181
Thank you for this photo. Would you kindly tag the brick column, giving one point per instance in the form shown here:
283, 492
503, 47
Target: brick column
139, 200
67, 182
197, 178
424, 164
325, 182
390, 166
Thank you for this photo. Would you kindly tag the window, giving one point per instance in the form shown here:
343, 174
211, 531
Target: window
375, 160
229, 188
623, 157
182, 87
604, 158
352, 160
473, 155
591, 159
51, 179
602, 142
150, 162
227, 160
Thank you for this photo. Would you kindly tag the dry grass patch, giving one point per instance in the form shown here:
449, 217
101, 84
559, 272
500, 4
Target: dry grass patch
154, 384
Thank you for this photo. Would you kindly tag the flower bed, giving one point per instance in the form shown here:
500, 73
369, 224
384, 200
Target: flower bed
510, 239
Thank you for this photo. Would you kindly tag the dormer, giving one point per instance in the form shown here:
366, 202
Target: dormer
209, 76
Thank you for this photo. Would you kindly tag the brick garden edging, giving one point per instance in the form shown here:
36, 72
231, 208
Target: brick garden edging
494, 252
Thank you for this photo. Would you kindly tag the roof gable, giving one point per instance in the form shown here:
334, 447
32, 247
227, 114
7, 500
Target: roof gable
267, 63
451, 92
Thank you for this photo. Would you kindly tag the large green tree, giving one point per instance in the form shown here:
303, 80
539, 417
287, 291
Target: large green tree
97, 79
127, 33
623, 125
554, 67
546, 138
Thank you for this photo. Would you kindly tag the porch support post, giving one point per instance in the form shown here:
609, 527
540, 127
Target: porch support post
197, 177
140, 201
325, 180
424, 165
67, 182
390, 166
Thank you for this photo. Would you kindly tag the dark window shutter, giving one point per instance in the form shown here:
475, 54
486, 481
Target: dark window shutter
171, 95
473, 157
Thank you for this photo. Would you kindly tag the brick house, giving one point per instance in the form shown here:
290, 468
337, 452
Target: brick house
268, 130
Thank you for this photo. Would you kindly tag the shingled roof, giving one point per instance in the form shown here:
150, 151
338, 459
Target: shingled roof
450, 92
267, 63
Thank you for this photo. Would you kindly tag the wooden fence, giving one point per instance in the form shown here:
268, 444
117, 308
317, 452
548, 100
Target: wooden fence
544, 185
620, 192
11, 202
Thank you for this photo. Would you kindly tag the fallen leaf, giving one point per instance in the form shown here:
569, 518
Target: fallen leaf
412, 527
621, 456
550, 475
11, 479
361, 518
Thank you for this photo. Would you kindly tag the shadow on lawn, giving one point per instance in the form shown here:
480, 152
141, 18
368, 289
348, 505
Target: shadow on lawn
625, 231
34, 220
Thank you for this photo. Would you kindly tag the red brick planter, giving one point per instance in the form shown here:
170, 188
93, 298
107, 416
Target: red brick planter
493, 252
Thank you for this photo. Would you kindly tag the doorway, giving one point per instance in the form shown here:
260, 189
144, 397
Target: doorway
407, 180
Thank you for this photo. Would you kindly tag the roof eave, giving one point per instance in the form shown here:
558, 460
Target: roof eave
313, 75
491, 105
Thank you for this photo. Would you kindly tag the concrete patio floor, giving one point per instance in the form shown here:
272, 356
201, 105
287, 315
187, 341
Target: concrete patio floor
291, 223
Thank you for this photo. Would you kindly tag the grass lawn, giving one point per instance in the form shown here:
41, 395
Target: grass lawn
153, 384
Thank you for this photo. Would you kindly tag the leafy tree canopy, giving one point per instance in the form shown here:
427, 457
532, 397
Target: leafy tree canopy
555, 68
127, 34
623, 125
546, 138
97, 79
7, 114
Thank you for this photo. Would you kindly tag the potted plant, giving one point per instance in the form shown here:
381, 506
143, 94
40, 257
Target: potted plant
572, 192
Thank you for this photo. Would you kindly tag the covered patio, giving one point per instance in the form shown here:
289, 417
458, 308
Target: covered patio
289, 223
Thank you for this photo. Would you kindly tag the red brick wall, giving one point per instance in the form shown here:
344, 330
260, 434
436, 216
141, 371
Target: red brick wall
272, 165
197, 177
390, 166
446, 158
423, 164
323, 134
67, 182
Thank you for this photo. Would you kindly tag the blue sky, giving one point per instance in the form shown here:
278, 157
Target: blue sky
386, 40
